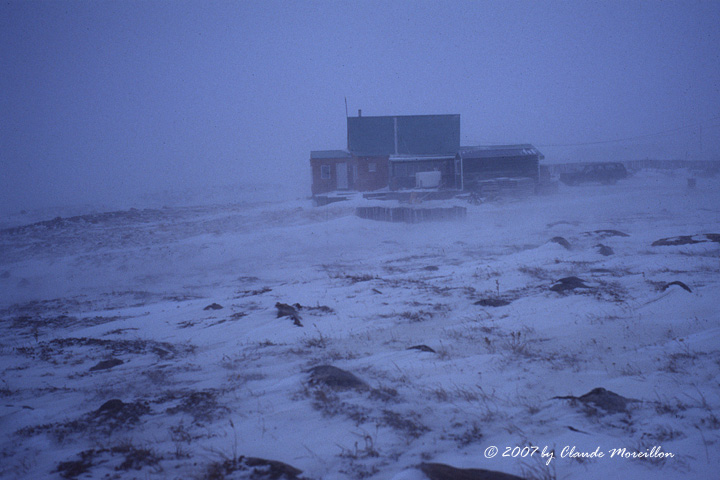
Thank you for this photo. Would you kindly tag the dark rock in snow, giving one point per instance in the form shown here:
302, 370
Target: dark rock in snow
254, 468
285, 310
315, 308
687, 240
106, 364
422, 348
111, 407
573, 429
604, 250
492, 302
271, 469
116, 412
431, 268
561, 241
678, 283
563, 222
213, 306
609, 401
568, 283
75, 468
607, 233
335, 377
674, 241
440, 471
713, 237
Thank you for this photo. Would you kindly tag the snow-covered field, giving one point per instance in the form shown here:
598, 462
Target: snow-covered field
146, 343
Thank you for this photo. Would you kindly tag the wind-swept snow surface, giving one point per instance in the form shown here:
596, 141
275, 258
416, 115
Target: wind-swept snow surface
257, 341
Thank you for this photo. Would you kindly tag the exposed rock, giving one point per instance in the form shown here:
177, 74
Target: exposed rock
440, 471
271, 469
111, 407
253, 468
713, 237
250, 293
567, 284
335, 377
573, 429
678, 283
604, 250
561, 241
492, 302
107, 364
74, 468
285, 310
609, 401
213, 306
118, 413
674, 241
687, 240
563, 222
315, 308
422, 348
607, 233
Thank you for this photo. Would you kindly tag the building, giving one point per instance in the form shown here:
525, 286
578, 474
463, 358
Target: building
475, 165
341, 170
411, 151
387, 151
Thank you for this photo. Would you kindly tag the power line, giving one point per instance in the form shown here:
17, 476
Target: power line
657, 134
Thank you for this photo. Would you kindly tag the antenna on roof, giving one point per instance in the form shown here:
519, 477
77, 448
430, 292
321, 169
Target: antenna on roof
347, 122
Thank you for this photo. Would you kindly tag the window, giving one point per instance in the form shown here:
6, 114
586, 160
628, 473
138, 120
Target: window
372, 167
325, 172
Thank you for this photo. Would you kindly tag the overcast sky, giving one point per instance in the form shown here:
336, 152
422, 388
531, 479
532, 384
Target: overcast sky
110, 99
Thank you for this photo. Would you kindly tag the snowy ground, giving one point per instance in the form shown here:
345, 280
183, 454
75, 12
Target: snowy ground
200, 387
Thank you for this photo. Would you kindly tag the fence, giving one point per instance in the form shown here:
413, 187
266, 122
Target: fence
411, 214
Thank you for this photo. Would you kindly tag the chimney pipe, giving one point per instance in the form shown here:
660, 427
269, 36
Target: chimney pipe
359, 112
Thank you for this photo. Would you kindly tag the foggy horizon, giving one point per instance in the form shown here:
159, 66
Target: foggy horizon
109, 101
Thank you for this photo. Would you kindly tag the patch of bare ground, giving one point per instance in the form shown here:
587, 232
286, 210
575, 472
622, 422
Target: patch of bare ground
112, 416
121, 458
202, 405
59, 350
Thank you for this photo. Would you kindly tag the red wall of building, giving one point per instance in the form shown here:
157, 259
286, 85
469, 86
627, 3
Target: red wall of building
368, 180
360, 176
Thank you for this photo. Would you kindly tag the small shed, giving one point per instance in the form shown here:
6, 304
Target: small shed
341, 170
475, 165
